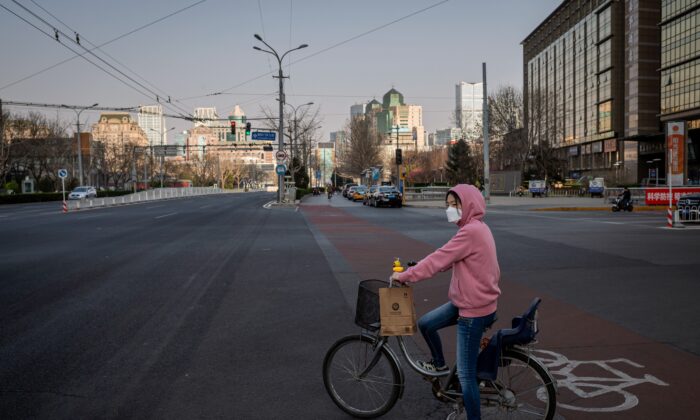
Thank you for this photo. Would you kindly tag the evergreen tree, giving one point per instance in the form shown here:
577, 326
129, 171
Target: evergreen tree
460, 165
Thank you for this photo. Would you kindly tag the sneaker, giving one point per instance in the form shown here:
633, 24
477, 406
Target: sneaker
430, 366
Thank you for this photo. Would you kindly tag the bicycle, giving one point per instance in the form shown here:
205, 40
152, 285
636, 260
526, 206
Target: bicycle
364, 377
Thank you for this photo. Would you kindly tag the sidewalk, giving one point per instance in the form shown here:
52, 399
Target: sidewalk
542, 204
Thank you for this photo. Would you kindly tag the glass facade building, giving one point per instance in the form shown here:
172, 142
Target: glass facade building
469, 98
151, 121
680, 75
591, 86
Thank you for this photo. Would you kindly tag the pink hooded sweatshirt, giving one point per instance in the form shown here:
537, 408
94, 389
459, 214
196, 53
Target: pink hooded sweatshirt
471, 254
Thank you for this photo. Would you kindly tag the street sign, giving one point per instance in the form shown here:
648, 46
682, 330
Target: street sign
263, 135
281, 155
280, 169
62, 173
169, 150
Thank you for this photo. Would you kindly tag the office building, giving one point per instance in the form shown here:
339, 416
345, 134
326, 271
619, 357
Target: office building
152, 122
591, 87
680, 79
469, 98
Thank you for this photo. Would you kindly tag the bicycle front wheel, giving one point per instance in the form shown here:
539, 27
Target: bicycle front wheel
523, 390
368, 396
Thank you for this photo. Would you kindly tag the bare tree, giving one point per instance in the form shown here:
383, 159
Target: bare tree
301, 134
363, 147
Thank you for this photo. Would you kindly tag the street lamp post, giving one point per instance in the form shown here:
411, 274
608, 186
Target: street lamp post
78, 111
162, 151
398, 174
280, 76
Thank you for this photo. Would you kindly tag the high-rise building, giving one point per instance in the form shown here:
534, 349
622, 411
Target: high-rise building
680, 79
151, 121
469, 98
591, 89
357, 110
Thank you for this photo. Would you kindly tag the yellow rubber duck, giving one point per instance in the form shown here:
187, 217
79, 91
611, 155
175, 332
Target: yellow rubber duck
397, 266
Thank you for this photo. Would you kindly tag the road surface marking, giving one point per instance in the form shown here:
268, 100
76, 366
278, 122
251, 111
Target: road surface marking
589, 387
204, 207
165, 215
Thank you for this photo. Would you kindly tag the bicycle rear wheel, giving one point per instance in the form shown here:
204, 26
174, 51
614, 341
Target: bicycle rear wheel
523, 390
369, 396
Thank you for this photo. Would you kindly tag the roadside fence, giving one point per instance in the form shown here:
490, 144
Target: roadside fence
148, 195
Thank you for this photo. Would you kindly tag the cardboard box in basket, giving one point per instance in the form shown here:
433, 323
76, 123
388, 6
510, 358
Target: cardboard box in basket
396, 311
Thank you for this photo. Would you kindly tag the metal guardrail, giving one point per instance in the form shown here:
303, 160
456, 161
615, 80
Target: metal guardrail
426, 193
148, 195
689, 214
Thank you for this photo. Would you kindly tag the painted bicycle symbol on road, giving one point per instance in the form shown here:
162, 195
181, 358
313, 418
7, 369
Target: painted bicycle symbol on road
592, 389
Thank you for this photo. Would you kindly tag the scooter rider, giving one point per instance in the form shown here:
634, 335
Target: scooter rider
626, 198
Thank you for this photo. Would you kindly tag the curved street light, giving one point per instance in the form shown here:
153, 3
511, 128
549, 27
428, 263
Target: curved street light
280, 76
80, 152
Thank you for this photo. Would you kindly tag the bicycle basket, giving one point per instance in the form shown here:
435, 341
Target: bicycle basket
367, 310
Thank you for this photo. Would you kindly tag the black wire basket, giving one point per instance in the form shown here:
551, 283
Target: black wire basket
367, 310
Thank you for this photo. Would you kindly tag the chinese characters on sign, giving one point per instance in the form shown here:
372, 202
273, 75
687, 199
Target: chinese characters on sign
675, 141
659, 196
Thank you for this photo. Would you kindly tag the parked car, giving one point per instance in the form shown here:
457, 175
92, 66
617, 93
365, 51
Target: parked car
346, 187
386, 196
350, 192
358, 193
368, 194
80, 193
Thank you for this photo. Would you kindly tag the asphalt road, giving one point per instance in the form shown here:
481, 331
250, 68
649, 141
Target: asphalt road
215, 307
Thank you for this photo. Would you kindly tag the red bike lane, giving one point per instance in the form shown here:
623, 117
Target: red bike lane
602, 369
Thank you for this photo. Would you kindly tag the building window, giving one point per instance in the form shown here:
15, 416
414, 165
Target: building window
605, 116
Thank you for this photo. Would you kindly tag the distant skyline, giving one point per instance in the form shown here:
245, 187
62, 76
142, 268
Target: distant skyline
203, 56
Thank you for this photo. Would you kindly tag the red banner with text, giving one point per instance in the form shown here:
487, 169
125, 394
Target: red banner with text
659, 196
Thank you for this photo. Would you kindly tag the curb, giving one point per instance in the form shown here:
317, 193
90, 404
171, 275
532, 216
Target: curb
607, 208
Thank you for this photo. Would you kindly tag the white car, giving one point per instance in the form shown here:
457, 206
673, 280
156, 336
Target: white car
80, 193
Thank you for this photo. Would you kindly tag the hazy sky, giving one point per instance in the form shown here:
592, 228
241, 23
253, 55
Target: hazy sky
355, 53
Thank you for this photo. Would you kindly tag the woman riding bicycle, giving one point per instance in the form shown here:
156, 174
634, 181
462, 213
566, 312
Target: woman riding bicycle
473, 292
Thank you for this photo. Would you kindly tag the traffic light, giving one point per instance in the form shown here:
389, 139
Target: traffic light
247, 129
233, 128
398, 157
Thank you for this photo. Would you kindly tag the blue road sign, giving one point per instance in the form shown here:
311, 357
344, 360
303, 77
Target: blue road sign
280, 169
62, 173
263, 135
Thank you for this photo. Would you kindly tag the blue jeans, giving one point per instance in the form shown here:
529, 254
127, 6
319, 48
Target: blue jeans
469, 332
429, 324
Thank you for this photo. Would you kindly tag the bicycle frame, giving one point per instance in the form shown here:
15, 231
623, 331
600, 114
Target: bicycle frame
433, 377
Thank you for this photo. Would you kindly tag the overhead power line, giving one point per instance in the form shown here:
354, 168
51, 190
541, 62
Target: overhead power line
58, 35
336, 45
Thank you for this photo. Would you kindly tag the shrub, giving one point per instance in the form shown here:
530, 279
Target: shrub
14, 186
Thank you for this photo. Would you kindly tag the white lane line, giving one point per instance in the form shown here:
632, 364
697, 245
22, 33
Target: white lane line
165, 215
267, 205
204, 207
153, 207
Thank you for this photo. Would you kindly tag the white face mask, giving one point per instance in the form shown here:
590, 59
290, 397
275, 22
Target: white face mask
453, 214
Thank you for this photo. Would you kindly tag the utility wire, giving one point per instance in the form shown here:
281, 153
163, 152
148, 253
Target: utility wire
101, 45
338, 44
163, 93
57, 32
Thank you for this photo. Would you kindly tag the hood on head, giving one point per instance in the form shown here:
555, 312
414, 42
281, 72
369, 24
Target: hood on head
473, 204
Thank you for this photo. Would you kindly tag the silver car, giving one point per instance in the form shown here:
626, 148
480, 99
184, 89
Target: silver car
80, 193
